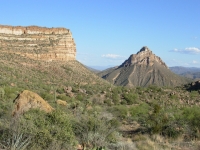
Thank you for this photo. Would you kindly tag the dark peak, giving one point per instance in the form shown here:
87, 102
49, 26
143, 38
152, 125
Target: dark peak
144, 49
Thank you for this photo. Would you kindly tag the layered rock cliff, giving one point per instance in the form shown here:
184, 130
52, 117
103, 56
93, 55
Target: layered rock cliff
39, 43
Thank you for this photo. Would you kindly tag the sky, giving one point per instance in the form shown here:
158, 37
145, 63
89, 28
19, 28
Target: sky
107, 32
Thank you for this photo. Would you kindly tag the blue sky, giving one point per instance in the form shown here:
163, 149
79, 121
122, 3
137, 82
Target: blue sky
107, 32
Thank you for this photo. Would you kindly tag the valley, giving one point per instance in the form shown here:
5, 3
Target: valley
56, 103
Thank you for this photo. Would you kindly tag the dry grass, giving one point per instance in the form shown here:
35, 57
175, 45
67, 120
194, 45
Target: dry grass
157, 142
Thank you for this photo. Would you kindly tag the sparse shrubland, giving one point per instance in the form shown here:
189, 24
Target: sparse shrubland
97, 115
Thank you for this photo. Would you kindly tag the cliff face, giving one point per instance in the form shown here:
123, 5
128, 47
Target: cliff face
38, 42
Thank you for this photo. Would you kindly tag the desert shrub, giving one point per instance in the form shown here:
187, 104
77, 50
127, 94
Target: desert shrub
191, 117
63, 97
154, 88
75, 104
117, 90
47, 96
108, 94
14, 140
163, 121
108, 101
156, 120
60, 90
48, 127
131, 98
11, 134
75, 89
115, 98
89, 91
80, 97
5, 109
10, 92
125, 89
173, 129
2, 93
120, 111
174, 97
194, 94
139, 88
139, 112
95, 132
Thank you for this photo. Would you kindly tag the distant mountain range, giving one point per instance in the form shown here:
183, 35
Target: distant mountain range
142, 69
189, 72
99, 68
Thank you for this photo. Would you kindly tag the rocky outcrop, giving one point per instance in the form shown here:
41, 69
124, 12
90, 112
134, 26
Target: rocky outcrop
39, 43
27, 100
144, 57
61, 102
142, 69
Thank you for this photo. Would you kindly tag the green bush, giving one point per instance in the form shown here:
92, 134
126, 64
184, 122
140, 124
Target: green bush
157, 120
131, 98
163, 121
80, 97
2, 93
139, 112
94, 131
47, 96
154, 88
172, 130
60, 90
120, 111
191, 117
48, 127
63, 97
10, 92
108, 102
115, 98
194, 94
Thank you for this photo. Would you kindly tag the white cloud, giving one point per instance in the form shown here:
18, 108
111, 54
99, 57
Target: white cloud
193, 49
187, 50
112, 56
195, 62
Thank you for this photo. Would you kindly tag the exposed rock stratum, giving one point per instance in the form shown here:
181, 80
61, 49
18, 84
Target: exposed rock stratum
142, 69
38, 43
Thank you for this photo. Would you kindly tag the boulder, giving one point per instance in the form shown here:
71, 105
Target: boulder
61, 102
27, 100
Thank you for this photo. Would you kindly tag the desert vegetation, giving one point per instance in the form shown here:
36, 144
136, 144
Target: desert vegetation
97, 115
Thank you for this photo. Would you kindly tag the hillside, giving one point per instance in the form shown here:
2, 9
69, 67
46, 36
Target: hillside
142, 69
28, 73
38, 56
59, 104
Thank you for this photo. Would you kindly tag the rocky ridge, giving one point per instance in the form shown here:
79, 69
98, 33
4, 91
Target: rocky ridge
39, 43
144, 57
142, 69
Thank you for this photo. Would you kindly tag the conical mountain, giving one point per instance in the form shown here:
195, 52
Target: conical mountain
142, 69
